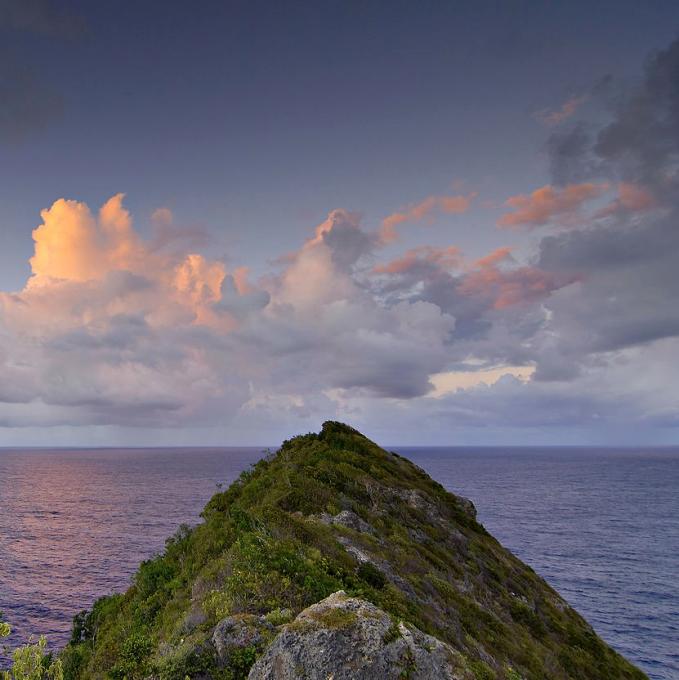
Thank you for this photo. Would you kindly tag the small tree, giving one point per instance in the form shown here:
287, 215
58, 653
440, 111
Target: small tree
32, 661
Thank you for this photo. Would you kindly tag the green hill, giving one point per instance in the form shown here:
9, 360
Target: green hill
334, 512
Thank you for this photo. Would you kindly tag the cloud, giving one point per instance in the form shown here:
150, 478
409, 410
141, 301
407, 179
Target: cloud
111, 328
493, 299
162, 217
627, 257
113, 332
550, 204
446, 258
416, 212
452, 381
108, 330
72, 244
517, 286
551, 117
631, 200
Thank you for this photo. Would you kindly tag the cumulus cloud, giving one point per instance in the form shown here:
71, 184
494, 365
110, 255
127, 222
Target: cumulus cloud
109, 330
579, 329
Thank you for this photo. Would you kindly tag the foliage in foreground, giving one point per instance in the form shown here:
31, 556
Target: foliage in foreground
266, 547
32, 661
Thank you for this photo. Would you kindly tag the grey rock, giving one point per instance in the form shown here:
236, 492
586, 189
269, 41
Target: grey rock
419, 501
346, 518
345, 638
350, 519
467, 506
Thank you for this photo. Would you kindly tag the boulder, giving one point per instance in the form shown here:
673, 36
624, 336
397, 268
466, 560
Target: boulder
346, 638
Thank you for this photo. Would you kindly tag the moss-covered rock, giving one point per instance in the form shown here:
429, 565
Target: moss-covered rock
334, 512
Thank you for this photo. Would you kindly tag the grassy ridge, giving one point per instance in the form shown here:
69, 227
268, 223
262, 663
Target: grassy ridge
269, 545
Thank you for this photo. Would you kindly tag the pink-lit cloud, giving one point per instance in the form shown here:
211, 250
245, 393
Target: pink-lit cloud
110, 330
552, 117
506, 287
550, 204
446, 258
427, 208
631, 199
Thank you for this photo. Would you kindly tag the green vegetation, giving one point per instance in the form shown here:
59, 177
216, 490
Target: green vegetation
266, 547
31, 661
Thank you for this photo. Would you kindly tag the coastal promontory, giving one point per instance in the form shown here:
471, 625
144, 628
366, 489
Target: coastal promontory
334, 558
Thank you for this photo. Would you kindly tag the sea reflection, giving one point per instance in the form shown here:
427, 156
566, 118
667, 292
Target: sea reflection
75, 524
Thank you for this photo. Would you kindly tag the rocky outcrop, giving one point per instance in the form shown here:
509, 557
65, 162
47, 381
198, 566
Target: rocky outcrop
346, 638
347, 519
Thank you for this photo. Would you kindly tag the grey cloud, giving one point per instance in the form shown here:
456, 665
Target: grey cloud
239, 305
347, 242
627, 264
570, 157
640, 143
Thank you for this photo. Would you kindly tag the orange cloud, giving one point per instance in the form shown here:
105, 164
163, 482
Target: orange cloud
419, 211
72, 244
509, 287
555, 117
240, 280
446, 258
495, 257
548, 204
199, 279
635, 198
631, 198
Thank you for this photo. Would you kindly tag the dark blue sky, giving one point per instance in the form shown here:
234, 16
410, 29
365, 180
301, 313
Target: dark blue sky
503, 141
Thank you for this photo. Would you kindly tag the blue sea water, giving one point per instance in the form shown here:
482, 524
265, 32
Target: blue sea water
600, 525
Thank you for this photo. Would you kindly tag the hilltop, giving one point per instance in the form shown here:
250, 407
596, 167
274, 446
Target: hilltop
336, 558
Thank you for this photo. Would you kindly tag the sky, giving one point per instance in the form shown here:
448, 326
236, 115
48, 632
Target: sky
442, 222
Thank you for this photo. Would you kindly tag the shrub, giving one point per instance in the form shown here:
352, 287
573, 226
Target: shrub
32, 661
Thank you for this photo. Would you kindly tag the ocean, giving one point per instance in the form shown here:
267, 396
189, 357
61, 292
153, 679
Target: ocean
600, 525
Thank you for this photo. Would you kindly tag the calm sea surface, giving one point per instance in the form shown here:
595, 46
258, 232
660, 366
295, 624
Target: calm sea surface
602, 526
